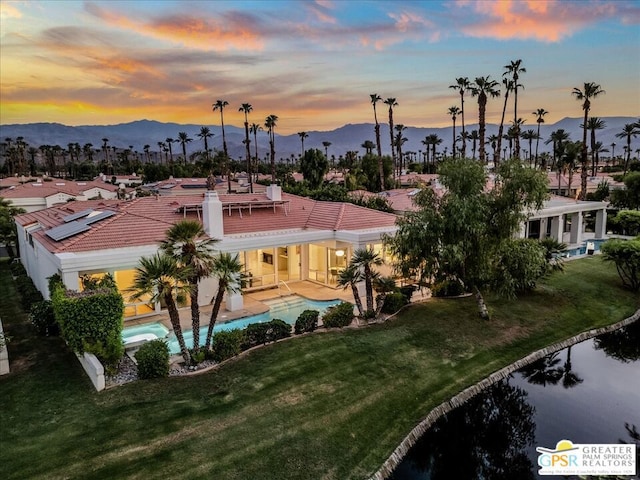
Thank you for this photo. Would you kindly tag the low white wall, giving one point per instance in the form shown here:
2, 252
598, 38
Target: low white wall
94, 369
4, 357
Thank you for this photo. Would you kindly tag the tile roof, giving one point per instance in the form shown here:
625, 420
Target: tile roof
46, 189
144, 221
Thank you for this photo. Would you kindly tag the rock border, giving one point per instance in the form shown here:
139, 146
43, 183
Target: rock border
400, 452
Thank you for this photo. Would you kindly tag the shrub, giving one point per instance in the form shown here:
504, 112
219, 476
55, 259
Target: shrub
262, 333
108, 351
407, 291
153, 359
226, 344
625, 254
17, 269
197, 358
42, 317
394, 302
449, 287
29, 294
338, 316
307, 321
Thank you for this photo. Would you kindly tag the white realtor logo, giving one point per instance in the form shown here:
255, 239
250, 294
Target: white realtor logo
587, 459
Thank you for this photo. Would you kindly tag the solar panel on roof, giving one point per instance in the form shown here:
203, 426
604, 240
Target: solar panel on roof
77, 215
98, 217
67, 230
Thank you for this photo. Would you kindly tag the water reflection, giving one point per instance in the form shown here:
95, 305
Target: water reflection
588, 393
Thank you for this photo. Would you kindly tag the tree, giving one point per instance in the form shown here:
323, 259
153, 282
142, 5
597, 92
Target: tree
105, 149
589, 91
302, 136
629, 130
557, 137
514, 69
161, 277
205, 134
530, 135
314, 166
474, 139
508, 87
246, 108
481, 88
460, 235
454, 112
183, 138
391, 102
625, 254
270, 123
220, 105
350, 277
187, 242
365, 259
539, 113
326, 144
594, 124
254, 129
462, 85
399, 141
8, 232
375, 98
228, 269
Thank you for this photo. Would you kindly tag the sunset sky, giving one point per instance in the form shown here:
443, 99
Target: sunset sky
311, 63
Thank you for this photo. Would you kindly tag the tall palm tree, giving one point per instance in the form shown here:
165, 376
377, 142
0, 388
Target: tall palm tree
169, 141
368, 146
326, 144
161, 277
302, 136
204, 135
594, 124
254, 128
493, 141
105, 148
454, 112
188, 243
539, 113
508, 87
183, 139
246, 108
391, 102
462, 85
558, 138
270, 122
514, 69
375, 98
350, 277
530, 135
590, 90
400, 140
366, 259
629, 130
228, 270
147, 155
474, 141
598, 148
481, 88
220, 105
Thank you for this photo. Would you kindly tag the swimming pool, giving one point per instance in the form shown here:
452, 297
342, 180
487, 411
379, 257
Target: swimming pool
287, 309
144, 332
582, 249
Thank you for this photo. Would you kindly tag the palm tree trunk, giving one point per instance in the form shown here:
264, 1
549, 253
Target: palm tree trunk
174, 316
537, 142
496, 159
357, 299
583, 159
464, 137
368, 288
379, 147
214, 314
482, 105
195, 316
482, 307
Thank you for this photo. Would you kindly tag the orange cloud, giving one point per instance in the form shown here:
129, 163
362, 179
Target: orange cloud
9, 11
233, 31
546, 21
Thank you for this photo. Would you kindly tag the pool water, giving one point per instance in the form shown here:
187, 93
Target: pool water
157, 329
582, 249
287, 309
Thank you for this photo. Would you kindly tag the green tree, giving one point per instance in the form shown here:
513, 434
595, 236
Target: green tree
514, 69
8, 232
375, 98
391, 102
220, 105
270, 123
454, 112
482, 88
314, 166
205, 134
508, 87
462, 86
589, 91
183, 138
228, 270
188, 243
369, 166
365, 259
625, 254
539, 113
302, 136
349, 278
594, 124
161, 277
629, 130
246, 108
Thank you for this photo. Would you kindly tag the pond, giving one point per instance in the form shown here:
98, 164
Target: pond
588, 393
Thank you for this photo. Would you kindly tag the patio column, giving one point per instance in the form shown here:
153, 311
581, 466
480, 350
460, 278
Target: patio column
71, 280
522, 231
576, 228
557, 228
601, 223
543, 227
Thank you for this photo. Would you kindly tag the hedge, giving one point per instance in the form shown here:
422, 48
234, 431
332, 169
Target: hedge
338, 315
153, 359
307, 321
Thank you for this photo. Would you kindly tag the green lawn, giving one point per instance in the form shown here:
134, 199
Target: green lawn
326, 406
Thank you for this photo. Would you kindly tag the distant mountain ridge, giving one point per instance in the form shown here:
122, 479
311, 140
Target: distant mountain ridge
348, 137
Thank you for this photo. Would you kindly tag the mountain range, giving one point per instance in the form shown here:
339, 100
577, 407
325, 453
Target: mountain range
136, 134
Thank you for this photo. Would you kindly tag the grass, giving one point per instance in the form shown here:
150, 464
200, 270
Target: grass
326, 406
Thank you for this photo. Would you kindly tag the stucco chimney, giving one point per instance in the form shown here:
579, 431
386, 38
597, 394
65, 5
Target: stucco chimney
212, 215
274, 192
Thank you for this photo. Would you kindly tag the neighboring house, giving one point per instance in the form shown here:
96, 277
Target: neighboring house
37, 195
192, 186
279, 237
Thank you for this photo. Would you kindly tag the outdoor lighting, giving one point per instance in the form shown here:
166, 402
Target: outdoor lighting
339, 253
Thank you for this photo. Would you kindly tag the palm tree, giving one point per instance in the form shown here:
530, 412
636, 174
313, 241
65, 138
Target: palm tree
105, 148
515, 69
544, 371
629, 130
594, 124
493, 141
508, 86
569, 377
350, 277
246, 108
597, 150
539, 113
400, 140
204, 135
162, 278
375, 98
220, 105
228, 269
530, 135
302, 136
183, 139
254, 128
461, 86
557, 138
326, 146
365, 259
383, 286
482, 87
368, 146
454, 112
270, 122
391, 102
589, 91
434, 141
147, 155
169, 142
474, 139
187, 242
